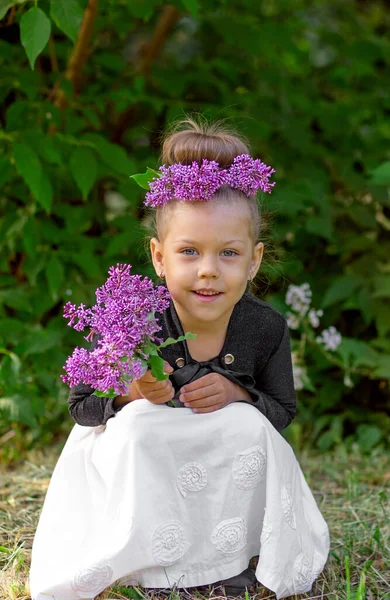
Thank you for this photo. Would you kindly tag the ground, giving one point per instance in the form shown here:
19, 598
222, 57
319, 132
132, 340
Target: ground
351, 489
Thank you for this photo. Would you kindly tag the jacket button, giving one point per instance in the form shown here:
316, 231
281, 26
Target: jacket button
180, 362
228, 359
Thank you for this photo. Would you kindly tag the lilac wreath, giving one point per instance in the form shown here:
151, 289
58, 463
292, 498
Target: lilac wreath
200, 182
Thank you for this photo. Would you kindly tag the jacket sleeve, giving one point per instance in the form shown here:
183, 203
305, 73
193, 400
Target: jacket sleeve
87, 409
274, 394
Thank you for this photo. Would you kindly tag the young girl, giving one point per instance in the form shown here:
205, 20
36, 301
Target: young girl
147, 494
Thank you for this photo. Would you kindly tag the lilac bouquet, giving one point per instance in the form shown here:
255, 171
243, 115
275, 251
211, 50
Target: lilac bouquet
124, 319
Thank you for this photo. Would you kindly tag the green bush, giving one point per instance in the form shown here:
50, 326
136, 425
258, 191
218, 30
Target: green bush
308, 84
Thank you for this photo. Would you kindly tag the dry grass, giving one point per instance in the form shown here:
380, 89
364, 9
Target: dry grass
351, 490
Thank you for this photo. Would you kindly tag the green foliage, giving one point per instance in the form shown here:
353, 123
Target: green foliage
306, 83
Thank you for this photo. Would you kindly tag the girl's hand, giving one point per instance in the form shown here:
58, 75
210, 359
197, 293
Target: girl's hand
211, 392
157, 392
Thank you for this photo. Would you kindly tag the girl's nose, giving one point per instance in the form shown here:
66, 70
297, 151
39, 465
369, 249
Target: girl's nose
208, 267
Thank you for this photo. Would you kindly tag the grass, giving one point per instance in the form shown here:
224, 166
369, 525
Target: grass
351, 489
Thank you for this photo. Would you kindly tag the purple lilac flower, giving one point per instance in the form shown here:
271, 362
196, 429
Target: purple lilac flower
249, 174
124, 318
186, 182
200, 182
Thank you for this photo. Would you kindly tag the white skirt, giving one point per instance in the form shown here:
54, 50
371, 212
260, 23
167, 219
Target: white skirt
164, 497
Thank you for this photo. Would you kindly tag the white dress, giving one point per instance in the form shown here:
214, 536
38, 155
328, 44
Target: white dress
164, 497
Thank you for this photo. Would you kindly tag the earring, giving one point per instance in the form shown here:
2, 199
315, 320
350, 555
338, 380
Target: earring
162, 276
250, 278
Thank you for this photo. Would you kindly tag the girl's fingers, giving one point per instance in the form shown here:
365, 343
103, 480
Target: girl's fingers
203, 392
205, 402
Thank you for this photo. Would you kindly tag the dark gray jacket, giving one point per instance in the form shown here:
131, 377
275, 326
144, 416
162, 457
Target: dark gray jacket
258, 340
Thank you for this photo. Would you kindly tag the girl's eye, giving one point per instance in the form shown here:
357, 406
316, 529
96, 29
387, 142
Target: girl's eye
188, 251
233, 252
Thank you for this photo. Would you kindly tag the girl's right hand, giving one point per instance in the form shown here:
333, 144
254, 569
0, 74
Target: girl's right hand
157, 392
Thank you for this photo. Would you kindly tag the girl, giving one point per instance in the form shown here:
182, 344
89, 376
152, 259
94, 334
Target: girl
147, 494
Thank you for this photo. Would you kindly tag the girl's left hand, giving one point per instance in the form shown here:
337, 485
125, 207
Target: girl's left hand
210, 392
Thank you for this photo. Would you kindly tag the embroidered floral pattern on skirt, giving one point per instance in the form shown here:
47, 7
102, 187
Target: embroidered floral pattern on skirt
192, 477
169, 543
229, 536
249, 468
288, 508
92, 580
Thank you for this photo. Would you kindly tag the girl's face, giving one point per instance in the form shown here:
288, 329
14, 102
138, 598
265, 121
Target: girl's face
207, 247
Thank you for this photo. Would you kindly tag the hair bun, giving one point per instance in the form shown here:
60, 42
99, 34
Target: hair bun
190, 140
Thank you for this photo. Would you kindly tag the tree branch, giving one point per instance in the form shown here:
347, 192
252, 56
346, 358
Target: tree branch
165, 24
80, 53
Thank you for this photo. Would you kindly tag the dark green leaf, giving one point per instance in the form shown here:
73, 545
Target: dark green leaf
112, 154
5, 5
84, 169
368, 436
192, 6
28, 166
35, 30
55, 276
340, 289
67, 15
18, 408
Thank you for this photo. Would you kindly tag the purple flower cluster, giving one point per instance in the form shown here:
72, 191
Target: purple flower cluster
249, 174
124, 319
200, 182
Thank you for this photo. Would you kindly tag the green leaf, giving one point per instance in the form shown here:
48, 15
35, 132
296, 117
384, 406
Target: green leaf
383, 367
67, 15
381, 175
18, 408
192, 6
156, 364
28, 166
143, 179
5, 5
109, 394
55, 276
45, 195
368, 436
113, 155
169, 341
357, 353
35, 30
10, 365
382, 286
5, 170
340, 289
84, 169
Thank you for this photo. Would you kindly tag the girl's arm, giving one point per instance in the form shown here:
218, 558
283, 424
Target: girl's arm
91, 411
274, 394
87, 409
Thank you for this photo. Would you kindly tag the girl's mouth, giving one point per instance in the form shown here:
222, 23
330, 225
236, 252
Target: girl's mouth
207, 297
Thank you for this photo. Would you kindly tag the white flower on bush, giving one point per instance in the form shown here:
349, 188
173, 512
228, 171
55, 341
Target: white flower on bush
330, 338
299, 375
299, 298
313, 317
292, 320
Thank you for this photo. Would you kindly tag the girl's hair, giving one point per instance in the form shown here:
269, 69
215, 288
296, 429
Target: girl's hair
191, 140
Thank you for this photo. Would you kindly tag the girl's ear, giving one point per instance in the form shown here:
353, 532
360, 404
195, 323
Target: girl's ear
256, 258
157, 256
